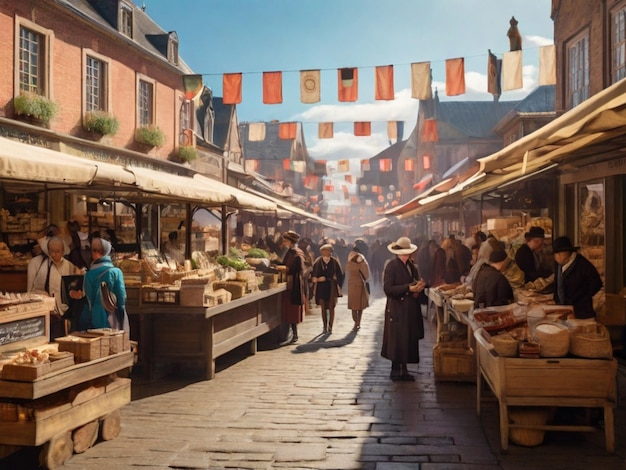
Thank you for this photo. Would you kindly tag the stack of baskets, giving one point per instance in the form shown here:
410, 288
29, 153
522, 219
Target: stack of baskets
554, 339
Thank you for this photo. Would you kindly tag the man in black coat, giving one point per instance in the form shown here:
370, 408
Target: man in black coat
576, 279
528, 256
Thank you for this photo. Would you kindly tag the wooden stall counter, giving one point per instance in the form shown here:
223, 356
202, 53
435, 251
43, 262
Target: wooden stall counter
554, 382
174, 333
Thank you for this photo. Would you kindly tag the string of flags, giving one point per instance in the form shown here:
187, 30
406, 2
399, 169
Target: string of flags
326, 130
503, 75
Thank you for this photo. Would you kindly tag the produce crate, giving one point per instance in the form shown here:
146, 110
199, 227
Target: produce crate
119, 340
192, 295
452, 364
164, 295
85, 347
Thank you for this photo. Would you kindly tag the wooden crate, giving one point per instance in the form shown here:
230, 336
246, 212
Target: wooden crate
192, 295
30, 372
166, 295
85, 347
454, 364
119, 340
236, 288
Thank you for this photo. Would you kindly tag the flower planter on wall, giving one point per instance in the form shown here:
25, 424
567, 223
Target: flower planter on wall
34, 108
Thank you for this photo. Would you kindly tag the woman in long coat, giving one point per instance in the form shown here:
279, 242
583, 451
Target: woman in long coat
327, 277
358, 273
404, 325
295, 296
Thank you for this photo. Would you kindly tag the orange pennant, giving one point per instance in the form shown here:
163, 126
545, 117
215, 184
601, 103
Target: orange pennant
348, 84
272, 87
363, 128
384, 82
287, 130
455, 76
231, 88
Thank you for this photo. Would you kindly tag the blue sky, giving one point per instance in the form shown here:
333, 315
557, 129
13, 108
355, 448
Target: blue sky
253, 36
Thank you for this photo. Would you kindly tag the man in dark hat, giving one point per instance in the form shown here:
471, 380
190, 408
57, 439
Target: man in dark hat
576, 279
528, 256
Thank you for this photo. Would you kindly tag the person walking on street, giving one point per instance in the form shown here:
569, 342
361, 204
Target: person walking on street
404, 325
327, 277
358, 273
294, 298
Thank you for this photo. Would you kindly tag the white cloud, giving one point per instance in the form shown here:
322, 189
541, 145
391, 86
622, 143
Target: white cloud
538, 41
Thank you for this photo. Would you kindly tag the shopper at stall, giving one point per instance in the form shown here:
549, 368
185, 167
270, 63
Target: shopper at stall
44, 275
576, 279
173, 249
102, 270
358, 273
327, 276
404, 324
295, 296
491, 288
528, 256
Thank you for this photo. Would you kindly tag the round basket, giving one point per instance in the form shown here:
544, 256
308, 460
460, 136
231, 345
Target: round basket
528, 415
553, 338
591, 341
505, 345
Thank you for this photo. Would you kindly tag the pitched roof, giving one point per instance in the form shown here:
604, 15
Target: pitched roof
540, 100
272, 148
473, 118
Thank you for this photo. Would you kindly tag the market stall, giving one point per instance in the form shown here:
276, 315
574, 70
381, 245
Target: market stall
62, 395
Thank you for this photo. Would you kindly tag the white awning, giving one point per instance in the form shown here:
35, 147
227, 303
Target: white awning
243, 198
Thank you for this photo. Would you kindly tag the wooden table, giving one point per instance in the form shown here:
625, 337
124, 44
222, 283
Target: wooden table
557, 382
171, 333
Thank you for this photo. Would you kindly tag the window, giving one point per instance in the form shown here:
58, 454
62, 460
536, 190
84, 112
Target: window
579, 71
145, 103
95, 84
126, 20
32, 63
172, 48
619, 45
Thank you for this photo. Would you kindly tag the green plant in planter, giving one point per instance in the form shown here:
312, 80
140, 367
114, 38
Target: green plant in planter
187, 153
35, 106
150, 135
102, 123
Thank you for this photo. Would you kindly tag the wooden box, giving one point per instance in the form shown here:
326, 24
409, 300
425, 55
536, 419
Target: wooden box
30, 372
454, 364
164, 295
236, 288
118, 340
85, 347
192, 295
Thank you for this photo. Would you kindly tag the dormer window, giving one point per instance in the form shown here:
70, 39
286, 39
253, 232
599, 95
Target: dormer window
126, 19
172, 48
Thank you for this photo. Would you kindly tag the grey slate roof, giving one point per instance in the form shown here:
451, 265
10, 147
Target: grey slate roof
272, 148
540, 100
473, 118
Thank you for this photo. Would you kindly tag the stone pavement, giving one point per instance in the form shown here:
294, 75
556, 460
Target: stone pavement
326, 402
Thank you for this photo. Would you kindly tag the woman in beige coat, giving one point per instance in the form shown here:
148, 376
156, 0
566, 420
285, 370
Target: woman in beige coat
358, 273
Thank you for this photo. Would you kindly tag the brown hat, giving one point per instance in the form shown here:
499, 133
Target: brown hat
497, 255
535, 232
291, 236
402, 246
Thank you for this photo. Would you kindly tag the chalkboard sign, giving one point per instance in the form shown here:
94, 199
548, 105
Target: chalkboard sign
20, 330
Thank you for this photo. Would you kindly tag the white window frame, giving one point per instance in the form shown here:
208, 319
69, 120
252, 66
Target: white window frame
105, 76
142, 78
578, 69
45, 57
126, 10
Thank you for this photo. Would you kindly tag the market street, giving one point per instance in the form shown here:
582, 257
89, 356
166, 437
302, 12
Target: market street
328, 403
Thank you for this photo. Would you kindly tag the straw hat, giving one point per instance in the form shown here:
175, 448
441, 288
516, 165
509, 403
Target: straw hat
326, 246
402, 246
292, 236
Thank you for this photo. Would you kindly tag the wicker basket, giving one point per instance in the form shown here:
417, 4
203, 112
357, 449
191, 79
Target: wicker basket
591, 341
553, 338
505, 345
528, 415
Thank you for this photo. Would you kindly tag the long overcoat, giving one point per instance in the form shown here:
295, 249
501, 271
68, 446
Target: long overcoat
357, 271
581, 282
404, 325
326, 291
295, 295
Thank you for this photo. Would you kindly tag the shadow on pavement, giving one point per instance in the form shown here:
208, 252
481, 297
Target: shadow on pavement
321, 342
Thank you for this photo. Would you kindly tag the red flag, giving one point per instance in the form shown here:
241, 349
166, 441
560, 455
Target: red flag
384, 82
429, 131
287, 130
455, 76
348, 86
362, 128
286, 164
385, 164
272, 87
231, 88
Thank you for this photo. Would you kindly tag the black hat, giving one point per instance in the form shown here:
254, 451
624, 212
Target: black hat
292, 236
535, 232
563, 244
497, 255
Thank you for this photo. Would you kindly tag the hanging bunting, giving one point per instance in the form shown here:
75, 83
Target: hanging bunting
251, 165
287, 130
494, 65
362, 129
455, 76
256, 131
343, 166
329, 188
310, 86
348, 178
392, 130
231, 88
512, 70
368, 202
286, 164
272, 87
384, 82
192, 84
325, 130
547, 65
421, 87
429, 131
299, 166
348, 83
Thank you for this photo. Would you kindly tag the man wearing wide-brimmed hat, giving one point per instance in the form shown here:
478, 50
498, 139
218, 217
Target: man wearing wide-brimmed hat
404, 325
576, 280
528, 256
